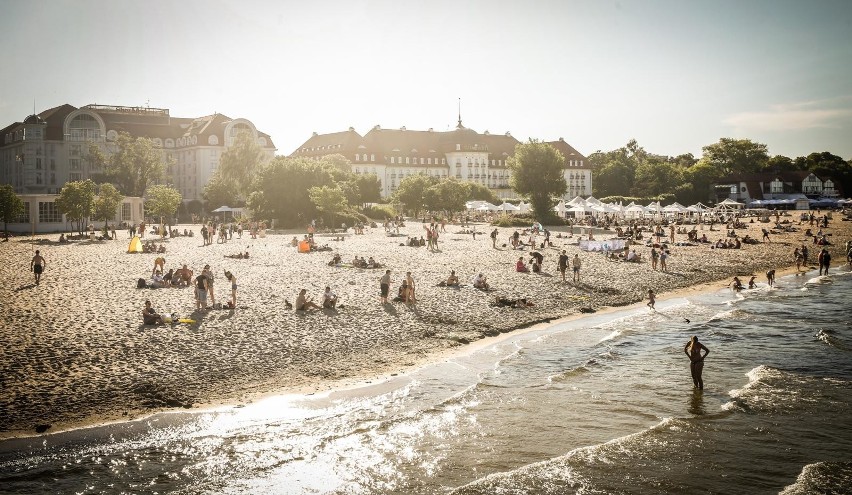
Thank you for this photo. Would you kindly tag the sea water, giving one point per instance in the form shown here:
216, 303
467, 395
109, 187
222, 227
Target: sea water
603, 404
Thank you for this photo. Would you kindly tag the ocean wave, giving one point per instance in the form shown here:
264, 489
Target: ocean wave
778, 392
821, 477
828, 337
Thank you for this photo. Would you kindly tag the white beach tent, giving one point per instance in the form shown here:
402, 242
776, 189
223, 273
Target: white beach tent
591, 200
488, 207
560, 207
576, 201
472, 205
524, 207
634, 211
580, 210
509, 207
674, 208
729, 204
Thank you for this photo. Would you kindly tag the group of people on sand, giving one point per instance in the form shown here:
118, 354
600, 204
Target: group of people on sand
406, 292
305, 303
357, 262
203, 288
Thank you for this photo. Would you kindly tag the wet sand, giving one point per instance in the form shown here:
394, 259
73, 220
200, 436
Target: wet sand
73, 350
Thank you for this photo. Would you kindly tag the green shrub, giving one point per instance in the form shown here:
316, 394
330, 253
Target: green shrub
380, 212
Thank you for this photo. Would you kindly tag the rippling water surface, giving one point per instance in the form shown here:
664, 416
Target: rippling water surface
599, 405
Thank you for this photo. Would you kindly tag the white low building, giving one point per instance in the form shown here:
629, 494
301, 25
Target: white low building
41, 215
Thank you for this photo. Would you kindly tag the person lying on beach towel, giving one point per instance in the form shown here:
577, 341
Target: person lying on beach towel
503, 302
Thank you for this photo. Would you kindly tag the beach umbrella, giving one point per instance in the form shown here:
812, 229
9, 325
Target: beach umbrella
509, 207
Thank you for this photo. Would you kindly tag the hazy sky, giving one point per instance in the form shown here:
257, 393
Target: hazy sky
675, 75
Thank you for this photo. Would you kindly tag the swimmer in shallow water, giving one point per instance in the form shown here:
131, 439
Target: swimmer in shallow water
693, 350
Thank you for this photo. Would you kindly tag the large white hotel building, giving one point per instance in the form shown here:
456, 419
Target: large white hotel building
394, 154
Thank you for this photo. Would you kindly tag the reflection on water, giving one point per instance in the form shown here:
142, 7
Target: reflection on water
601, 404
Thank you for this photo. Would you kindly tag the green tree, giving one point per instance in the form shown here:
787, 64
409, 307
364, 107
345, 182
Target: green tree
701, 175
106, 204
537, 173
655, 176
615, 178
76, 200
282, 190
329, 200
736, 156
411, 192
220, 191
826, 165
162, 202
241, 162
781, 163
448, 195
479, 192
366, 188
135, 164
11, 207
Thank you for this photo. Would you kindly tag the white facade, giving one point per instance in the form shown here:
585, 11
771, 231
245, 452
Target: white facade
41, 214
47, 150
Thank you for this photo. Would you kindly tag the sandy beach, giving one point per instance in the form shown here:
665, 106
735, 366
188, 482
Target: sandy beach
73, 350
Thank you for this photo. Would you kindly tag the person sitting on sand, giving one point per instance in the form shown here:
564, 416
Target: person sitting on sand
452, 280
329, 298
631, 256
371, 263
480, 281
157, 279
168, 277
335, 260
402, 293
521, 303
150, 317
304, 303
62, 238
520, 266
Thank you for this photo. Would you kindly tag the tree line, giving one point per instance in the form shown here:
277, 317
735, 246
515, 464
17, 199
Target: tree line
630, 171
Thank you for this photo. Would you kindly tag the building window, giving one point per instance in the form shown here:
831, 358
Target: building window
372, 157
407, 160
125, 212
75, 164
24, 217
393, 161
76, 176
38, 163
357, 157
48, 212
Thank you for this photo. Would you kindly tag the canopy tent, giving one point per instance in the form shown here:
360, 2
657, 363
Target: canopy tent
472, 205
560, 207
698, 207
576, 201
222, 209
591, 200
580, 209
509, 207
674, 208
729, 204
486, 206
524, 207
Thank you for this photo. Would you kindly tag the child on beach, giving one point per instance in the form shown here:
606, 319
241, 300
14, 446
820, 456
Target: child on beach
231, 278
651, 299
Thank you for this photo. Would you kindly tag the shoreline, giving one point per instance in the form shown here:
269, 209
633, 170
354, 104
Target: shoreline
440, 338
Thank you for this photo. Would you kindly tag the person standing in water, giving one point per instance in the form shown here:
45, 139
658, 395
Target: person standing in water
693, 350
37, 266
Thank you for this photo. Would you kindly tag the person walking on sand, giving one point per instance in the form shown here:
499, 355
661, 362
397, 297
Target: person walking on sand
693, 350
575, 263
563, 264
494, 238
37, 266
770, 277
384, 286
652, 299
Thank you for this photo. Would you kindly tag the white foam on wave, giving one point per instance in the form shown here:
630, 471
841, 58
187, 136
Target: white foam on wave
821, 477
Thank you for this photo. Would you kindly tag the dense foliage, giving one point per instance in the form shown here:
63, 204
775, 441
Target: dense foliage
134, 165
11, 206
630, 171
76, 201
537, 174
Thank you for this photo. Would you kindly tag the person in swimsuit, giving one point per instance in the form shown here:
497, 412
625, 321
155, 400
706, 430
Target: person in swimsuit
693, 350
384, 286
37, 266
651, 299
151, 317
